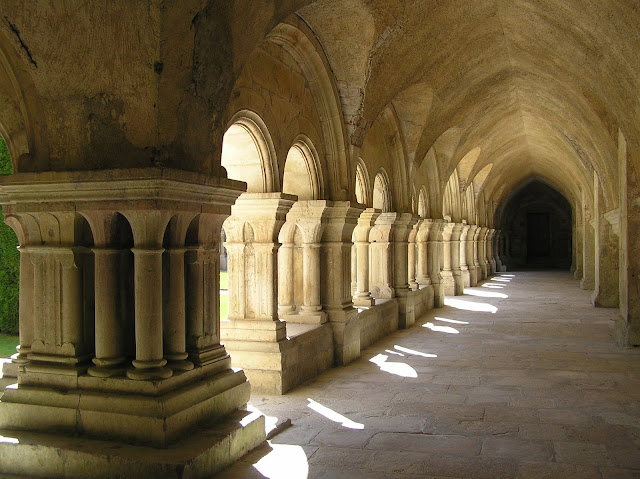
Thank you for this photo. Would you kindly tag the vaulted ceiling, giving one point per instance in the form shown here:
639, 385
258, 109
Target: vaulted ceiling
539, 87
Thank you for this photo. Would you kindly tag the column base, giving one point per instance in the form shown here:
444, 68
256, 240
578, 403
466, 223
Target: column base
466, 278
198, 455
448, 283
305, 317
155, 413
406, 311
458, 281
277, 367
252, 330
346, 335
367, 301
146, 370
10, 369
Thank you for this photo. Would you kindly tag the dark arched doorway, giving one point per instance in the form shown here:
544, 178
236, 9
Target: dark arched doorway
536, 224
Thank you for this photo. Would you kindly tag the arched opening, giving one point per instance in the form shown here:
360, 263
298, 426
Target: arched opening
362, 184
9, 272
301, 173
247, 153
382, 192
537, 224
422, 203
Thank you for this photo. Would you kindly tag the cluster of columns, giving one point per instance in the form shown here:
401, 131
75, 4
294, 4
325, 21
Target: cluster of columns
120, 292
310, 262
429, 253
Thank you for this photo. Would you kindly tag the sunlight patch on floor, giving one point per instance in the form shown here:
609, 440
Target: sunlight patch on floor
441, 329
414, 352
484, 294
493, 286
284, 462
393, 352
333, 415
398, 369
470, 305
455, 321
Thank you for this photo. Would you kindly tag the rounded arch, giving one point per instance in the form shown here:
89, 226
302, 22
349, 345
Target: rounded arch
451, 198
22, 122
302, 172
398, 158
362, 183
248, 153
297, 39
382, 198
423, 207
433, 192
414, 200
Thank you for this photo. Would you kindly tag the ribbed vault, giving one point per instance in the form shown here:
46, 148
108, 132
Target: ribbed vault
539, 86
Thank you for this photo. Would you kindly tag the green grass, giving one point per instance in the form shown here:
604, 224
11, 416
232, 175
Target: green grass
224, 280
8, 344
224, 306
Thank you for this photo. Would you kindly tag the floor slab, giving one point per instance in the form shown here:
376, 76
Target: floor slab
520, 379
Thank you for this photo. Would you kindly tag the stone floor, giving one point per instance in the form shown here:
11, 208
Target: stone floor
519, 377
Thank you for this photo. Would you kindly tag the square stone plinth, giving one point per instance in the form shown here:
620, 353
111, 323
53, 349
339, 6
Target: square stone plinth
198, 455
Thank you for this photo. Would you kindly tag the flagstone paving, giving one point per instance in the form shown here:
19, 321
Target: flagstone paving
520, 377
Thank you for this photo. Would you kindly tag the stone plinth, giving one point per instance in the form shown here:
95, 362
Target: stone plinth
123, 314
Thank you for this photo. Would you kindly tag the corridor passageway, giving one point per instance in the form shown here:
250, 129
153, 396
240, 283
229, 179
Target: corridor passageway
519, 377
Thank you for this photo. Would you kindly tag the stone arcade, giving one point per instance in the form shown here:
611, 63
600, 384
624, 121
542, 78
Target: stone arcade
364, 160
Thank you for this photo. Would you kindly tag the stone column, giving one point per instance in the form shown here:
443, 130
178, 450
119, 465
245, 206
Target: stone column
382, 256
627, 330
471, 252
305, 221
482, 252
149, 362
354, 268
110, 354
202, 300
434, 261
422, 266
286, 304
413, 256
588, 256
252, 244
491, 260
400, 234
59, 345
497, 251
341, 219
174, 327
578, 237
53, 393
311, 286
476, 254
606, 252
464, 266
361, 235
448, 280
456, 270
148, 230
25, 304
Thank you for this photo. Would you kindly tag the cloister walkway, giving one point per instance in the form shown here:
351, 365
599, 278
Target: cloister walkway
520, 377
